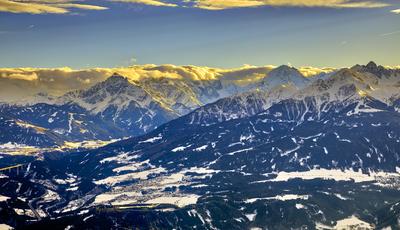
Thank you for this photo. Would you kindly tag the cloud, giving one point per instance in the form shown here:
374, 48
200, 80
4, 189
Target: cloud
228, 4
390, 33
80, 6
312, 71
22, 83
148, 2
43, 6
20, 75
396, 11
31, 8
64, 6
393, 67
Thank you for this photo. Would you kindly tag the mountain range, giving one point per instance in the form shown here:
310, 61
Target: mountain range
119, 107
286, 152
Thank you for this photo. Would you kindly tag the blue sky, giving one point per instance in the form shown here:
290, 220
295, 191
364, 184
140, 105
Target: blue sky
125, 33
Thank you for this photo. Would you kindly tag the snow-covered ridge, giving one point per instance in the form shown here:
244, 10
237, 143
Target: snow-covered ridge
57, 81
344, 87
123, 106
139, 106
115, 91
241, 105
345, 82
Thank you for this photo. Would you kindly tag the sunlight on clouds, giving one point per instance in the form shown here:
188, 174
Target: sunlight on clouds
80, 6
21, 75
63, 6
312, 71
139, 72
392, 67
18, 83
227, 4
31, 8
396, 11
196, 73
43, 6
148, 2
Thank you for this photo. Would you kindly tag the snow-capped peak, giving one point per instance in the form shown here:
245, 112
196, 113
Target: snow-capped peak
284, 75
377, 70
116, 91
285, 70
343, 84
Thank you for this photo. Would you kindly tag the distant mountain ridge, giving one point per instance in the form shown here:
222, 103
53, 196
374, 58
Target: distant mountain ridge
343, 85
119, 107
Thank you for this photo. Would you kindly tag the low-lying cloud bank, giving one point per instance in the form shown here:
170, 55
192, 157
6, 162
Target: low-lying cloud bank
19, 83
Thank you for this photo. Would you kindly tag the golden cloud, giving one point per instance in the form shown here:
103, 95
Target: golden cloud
43, 6
148, 2
393, 67
20, 75
228, 4
63, 6
312, 71
20, 83
80, 6
396, 11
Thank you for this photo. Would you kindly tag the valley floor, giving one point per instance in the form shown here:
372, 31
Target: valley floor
202, 198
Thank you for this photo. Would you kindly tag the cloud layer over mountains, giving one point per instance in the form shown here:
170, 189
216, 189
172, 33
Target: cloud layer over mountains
19, 83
